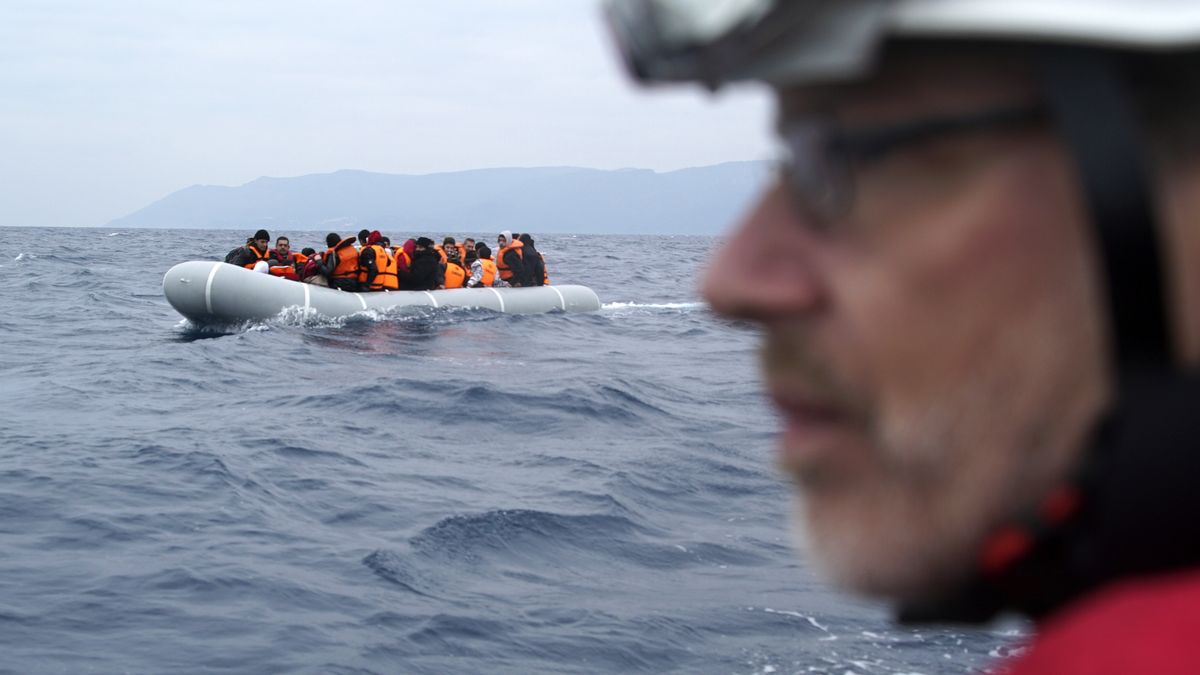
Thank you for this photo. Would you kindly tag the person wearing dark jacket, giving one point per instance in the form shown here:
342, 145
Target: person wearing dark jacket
254, 250
535, 266
235, 252
425, 271
310, 271
510, 260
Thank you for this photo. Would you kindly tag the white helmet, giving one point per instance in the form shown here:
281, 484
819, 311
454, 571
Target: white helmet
799, 41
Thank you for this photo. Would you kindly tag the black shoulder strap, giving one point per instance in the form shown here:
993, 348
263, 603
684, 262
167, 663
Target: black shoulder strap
1096, 116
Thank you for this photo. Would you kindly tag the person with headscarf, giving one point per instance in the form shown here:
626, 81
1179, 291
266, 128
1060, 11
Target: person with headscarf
535, 265
510, 260
425, 270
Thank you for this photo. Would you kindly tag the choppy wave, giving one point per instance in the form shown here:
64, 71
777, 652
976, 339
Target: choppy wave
421, 492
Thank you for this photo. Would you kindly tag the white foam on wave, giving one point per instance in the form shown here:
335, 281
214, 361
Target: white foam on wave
24, 256
798, 615
653, 305
296, 316
299, 317
115, 234
310, 318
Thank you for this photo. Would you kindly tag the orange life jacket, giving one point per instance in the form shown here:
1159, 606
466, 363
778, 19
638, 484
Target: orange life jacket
506, 273
489, 271
441, 253
402, 255
347, 265
456, 276
258, 256
462, 251
381, 263
285, 268
388, 277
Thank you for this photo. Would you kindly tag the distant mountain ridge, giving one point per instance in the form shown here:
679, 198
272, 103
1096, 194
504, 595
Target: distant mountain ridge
702, 200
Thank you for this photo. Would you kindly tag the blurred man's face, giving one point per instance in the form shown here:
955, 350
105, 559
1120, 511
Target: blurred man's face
262, 244
283, 245
935, 350
501, 242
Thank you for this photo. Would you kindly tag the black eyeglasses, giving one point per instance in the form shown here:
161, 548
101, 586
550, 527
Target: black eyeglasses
821, 160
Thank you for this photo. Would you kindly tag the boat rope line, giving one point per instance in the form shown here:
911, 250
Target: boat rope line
498, 297
431, 298
360, 300
208, 287
307, 295
560, 297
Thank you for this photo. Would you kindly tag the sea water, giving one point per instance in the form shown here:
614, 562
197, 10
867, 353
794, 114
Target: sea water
439, 491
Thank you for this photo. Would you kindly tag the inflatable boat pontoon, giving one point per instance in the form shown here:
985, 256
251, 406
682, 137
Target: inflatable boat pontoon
215, 292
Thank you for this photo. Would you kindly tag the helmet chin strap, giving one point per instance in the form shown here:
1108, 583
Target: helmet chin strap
1095, 115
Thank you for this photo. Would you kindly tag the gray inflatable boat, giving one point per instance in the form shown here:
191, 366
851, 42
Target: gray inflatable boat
215, 292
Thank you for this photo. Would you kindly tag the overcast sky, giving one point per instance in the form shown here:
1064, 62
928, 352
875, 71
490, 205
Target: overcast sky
108, 106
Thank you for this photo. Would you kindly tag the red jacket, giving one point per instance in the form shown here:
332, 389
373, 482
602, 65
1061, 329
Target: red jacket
1146, 625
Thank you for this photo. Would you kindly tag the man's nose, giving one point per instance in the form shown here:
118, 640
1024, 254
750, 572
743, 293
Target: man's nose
766, 269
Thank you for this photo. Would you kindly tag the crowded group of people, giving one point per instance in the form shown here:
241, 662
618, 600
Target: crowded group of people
369, 262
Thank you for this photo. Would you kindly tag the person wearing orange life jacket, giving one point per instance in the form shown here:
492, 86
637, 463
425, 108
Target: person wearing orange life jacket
371, 262
340, 263
448, 243
249, 255
441, 248
389, 277
284, 263
483, 268
404, 256
455, 274
510, 261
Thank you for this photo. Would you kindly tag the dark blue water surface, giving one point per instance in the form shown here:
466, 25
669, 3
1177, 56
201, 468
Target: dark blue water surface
436, 492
